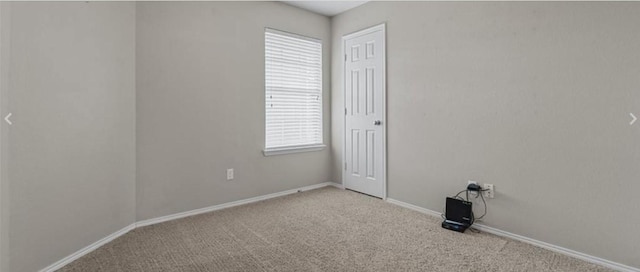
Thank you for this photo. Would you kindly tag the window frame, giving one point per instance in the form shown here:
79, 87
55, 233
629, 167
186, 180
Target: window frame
281, 150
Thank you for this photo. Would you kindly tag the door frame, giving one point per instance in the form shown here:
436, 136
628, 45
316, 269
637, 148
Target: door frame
380, 27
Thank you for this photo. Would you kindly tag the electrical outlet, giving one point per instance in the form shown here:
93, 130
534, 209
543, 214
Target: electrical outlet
472, 193
230, 174
489, 193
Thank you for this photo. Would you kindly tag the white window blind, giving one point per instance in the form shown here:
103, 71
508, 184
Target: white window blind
293, 89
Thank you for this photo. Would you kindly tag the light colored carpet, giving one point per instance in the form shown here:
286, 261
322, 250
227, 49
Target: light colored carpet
326, 229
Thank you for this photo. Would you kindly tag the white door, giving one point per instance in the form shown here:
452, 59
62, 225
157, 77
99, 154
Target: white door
364, 85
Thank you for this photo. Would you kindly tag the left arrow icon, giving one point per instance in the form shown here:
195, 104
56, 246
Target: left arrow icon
6, 118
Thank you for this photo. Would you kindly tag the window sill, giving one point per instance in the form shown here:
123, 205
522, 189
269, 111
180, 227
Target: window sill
292, 149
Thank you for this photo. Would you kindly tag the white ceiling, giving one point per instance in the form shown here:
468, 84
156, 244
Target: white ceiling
327, 8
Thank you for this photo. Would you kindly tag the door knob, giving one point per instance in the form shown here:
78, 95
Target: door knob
377, 122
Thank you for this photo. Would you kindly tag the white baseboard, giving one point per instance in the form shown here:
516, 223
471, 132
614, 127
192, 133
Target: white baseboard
67, 260
228, 205
61, 263
551, 247
414, 207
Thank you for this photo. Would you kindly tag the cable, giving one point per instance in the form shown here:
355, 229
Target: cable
485, 205
472, 229
458, 194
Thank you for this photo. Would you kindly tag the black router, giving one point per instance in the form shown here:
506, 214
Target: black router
458, 214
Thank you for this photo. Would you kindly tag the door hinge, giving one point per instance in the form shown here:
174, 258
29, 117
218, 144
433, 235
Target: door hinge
345, 166
345, 57
345, 111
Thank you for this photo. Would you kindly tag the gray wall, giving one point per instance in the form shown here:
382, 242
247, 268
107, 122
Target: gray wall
4, 189
71, 164
200, 104
532, 97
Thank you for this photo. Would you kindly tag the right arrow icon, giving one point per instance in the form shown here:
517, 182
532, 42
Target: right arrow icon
633, 119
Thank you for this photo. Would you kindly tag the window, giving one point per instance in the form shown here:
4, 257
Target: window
293, 89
